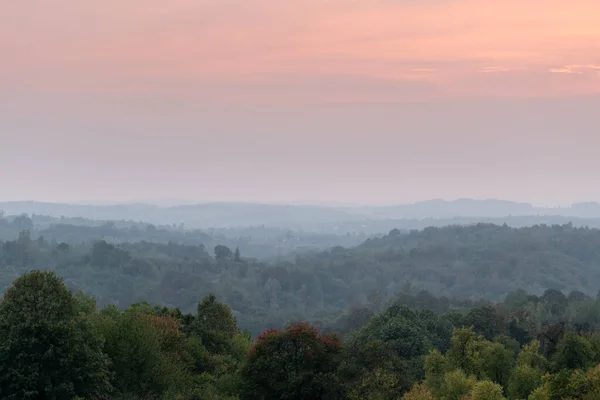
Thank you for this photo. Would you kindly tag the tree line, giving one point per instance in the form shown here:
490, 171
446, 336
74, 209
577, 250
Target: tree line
260, 242
465, 265
56, 344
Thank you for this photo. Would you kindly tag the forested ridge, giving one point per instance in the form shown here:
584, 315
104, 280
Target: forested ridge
474, 263
261, 242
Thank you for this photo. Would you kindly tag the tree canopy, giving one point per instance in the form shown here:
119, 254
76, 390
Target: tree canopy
47, 350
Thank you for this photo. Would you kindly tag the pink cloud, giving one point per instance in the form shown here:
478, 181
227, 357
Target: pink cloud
499, 69
576, 69
151, 45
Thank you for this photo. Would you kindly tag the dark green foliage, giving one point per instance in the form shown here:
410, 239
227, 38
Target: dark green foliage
46, 349
487, 321
56, 345
215, 325
149, 359
574, 352
496, 362
404, 336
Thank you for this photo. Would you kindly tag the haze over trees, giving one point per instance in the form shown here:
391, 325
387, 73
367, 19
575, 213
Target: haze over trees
131, 310
305, 217
474, 263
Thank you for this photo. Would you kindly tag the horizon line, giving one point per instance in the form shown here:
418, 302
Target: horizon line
167, 203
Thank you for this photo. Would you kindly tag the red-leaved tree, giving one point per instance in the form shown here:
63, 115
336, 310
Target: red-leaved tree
293, 364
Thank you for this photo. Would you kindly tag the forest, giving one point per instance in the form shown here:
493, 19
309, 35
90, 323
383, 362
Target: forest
461, 312
260, 242
56, 344
474, 263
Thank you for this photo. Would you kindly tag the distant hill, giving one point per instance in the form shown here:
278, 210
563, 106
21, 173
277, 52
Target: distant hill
490, 208
198, 215
296, 216
460, 208
477, 261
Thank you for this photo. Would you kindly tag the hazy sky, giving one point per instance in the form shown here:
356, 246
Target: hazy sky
370, 101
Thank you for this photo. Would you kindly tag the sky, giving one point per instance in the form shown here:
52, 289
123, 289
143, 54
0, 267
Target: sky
353, 101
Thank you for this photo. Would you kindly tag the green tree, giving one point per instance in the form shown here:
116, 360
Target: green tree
457, 385
436, 367
487, 321
526, 377
530, 356
592, 384
46, 350
540, 393
215, 324
464, 353
524, 380
145, 364
573, 352
368, 371
487, 390
559, 386
495, 362
377, 384
419, 392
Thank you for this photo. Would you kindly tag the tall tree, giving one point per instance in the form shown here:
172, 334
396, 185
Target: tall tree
47, 351
148, 353
215, 324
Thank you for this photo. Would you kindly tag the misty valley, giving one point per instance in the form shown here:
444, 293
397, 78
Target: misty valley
451, 307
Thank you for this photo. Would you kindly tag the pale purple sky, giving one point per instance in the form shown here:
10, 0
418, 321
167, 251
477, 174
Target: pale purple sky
311, 101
